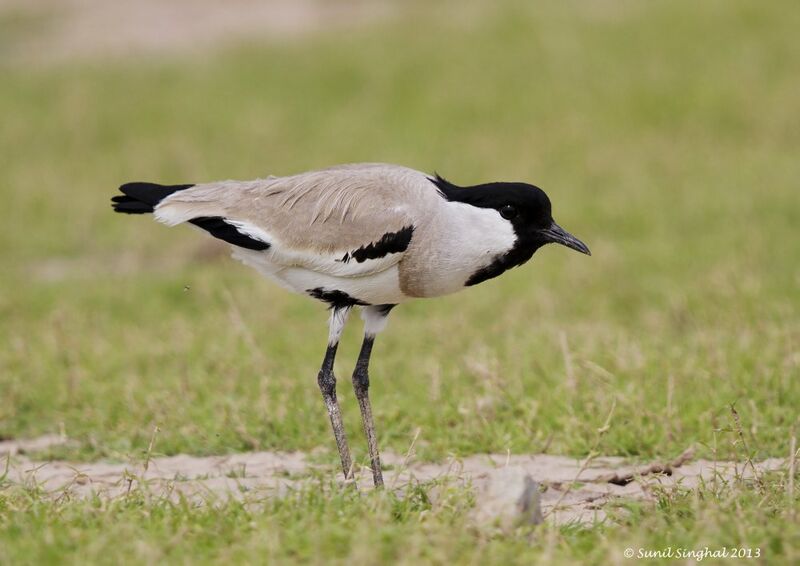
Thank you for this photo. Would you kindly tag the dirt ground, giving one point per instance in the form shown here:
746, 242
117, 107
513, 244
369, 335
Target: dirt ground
571, 490
80, 29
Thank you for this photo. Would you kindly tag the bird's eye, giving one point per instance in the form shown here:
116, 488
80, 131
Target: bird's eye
508, 212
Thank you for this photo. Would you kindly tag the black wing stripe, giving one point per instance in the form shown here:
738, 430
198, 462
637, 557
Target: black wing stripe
217, 227
389, 243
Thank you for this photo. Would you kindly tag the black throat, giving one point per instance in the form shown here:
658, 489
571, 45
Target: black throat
515, 257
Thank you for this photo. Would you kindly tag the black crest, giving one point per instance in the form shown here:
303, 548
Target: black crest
530, 203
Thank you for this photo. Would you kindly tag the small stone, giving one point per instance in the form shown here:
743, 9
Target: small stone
509, 497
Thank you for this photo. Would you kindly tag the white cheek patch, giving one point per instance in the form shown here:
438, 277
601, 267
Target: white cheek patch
482, 231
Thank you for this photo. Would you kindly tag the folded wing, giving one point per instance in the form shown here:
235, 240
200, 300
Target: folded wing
350, 220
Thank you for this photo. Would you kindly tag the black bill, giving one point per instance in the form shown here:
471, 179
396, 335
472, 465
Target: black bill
558, 235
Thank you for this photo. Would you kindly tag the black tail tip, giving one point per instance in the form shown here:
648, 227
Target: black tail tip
128, 205
141, 198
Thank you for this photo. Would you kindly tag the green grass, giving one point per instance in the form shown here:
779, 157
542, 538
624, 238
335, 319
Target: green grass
667, 135
329, 526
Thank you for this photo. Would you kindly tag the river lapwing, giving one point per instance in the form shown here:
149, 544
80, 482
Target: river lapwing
370, 236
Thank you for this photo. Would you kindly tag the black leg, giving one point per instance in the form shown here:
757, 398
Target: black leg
361, 386
327, 384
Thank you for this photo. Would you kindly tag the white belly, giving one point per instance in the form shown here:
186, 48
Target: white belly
379, 288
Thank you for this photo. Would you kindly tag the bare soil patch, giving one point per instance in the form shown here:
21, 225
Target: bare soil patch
572, 490
69, 29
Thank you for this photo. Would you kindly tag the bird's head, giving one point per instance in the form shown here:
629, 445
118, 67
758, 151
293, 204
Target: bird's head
526, 207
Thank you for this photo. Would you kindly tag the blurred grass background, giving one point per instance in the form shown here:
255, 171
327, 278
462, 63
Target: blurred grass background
666, 133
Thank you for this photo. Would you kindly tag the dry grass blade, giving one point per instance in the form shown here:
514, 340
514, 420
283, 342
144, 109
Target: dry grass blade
747, 454
239, 323
147, 457
571, 382
591, 456
407, 457
792, 471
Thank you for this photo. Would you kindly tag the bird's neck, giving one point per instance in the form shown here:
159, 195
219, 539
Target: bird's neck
516, 256
463, 245
488, 244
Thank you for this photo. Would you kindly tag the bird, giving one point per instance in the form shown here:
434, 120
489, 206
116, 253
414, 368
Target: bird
368, 236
